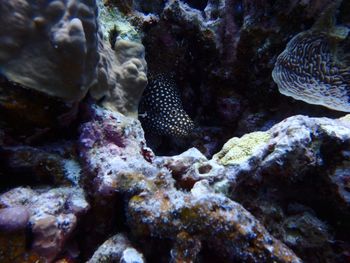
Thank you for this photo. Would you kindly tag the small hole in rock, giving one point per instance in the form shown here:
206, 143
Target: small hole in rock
204, 169
112, 35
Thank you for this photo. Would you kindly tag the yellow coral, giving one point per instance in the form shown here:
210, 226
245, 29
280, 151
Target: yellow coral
238, 150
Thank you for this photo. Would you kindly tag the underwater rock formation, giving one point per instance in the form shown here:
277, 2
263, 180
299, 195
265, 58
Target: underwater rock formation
312, 68
115, 140
275, 179
300, 160
292, 149
122, 151
53, 216
190, 167
222, 53
223, 224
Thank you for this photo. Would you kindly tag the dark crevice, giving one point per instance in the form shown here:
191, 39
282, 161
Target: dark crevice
197, 4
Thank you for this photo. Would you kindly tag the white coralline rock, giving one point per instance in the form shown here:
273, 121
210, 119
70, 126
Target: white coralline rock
289, 151
117, 249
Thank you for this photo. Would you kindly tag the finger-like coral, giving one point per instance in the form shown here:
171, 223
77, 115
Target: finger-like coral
122, 68
57, 48
121, 76
312, 68
50, 46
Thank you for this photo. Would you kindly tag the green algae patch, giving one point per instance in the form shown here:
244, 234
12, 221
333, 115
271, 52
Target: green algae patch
238, 150
113, 22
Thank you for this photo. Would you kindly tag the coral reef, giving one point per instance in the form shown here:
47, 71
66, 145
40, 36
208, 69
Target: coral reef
222, 54
159, 201
187, 200
80, 183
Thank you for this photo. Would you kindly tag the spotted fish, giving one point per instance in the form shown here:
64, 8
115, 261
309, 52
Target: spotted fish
161, 111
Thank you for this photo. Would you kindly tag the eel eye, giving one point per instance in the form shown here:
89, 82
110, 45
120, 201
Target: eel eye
173, 112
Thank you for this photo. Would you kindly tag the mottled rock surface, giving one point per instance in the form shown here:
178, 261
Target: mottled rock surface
303, 161
156, 208
257, 196
117, 248
51, 217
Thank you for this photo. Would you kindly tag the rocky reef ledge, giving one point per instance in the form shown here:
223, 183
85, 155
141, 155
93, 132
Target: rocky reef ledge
275, 196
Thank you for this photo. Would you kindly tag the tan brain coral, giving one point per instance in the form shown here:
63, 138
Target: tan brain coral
313, 67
